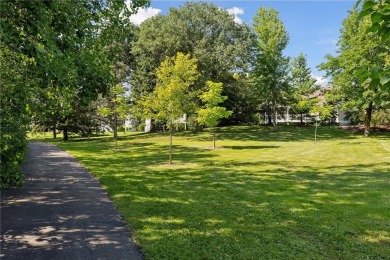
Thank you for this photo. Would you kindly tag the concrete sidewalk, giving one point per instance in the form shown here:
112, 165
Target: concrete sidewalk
61, 213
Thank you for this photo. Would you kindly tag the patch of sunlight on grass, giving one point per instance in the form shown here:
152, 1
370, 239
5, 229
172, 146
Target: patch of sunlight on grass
160, 200
174, 165
376, 236
159, 220
213, 222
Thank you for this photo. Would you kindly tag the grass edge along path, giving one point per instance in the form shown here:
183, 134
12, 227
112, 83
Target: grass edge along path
261, 194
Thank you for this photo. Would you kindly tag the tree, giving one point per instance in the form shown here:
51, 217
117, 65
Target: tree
379, 12
271, 67
323, 112
172, 97
358, 49
303, 85
211, 113
54, 43
115, 107
14, 96
206, 32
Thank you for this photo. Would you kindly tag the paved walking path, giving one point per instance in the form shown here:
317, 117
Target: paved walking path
61, 213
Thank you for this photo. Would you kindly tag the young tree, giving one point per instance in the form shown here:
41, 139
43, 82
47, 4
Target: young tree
115, 107
172, 97
211, 113
271, 67
358, 49
303, 85
323, 112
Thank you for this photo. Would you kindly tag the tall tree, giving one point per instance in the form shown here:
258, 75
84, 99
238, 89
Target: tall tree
211, 113
379, 13
302, 86
172, 96
206, 32
358, 49
270, 71
55, 42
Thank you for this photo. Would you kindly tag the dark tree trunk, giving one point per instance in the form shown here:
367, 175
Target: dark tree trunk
273, 113
367, 120
269, 115
54, 131
301, 118
115, 126
66, 137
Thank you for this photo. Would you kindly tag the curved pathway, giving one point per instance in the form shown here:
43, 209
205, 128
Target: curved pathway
61, 213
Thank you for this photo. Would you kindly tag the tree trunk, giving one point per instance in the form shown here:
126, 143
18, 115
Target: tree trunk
367, 120
274, 114
115, 126
170, 143
301, 118
54, 131
66, 137
214, 137
315, 132
269, 114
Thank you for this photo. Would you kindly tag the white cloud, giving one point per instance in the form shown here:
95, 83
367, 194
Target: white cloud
143, 14
320, 80
236, 11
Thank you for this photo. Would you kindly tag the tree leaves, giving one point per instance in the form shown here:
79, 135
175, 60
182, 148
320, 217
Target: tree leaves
271, 67
172, 97
211, 113
359, 68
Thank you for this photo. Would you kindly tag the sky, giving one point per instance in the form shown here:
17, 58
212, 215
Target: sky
313, 25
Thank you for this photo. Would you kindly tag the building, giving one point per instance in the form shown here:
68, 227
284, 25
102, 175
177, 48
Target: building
284, 115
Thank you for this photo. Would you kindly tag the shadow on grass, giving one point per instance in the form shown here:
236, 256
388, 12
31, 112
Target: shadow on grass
279, 134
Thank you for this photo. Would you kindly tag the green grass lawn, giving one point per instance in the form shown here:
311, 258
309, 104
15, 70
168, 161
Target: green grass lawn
262, 194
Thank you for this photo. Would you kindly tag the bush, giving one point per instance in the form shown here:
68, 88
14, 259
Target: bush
381, 117
13, 140
141, 127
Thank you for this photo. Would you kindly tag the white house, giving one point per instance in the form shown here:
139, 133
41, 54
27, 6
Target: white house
181, 120
287, 117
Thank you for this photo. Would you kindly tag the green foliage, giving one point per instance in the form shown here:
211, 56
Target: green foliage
266, 195
14, 119
172, 97
302, 84
324, 111
211, 113
209, 34
379, 13
57, 63
381, 117
271, 67
301, 80
114, 107
358, 50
